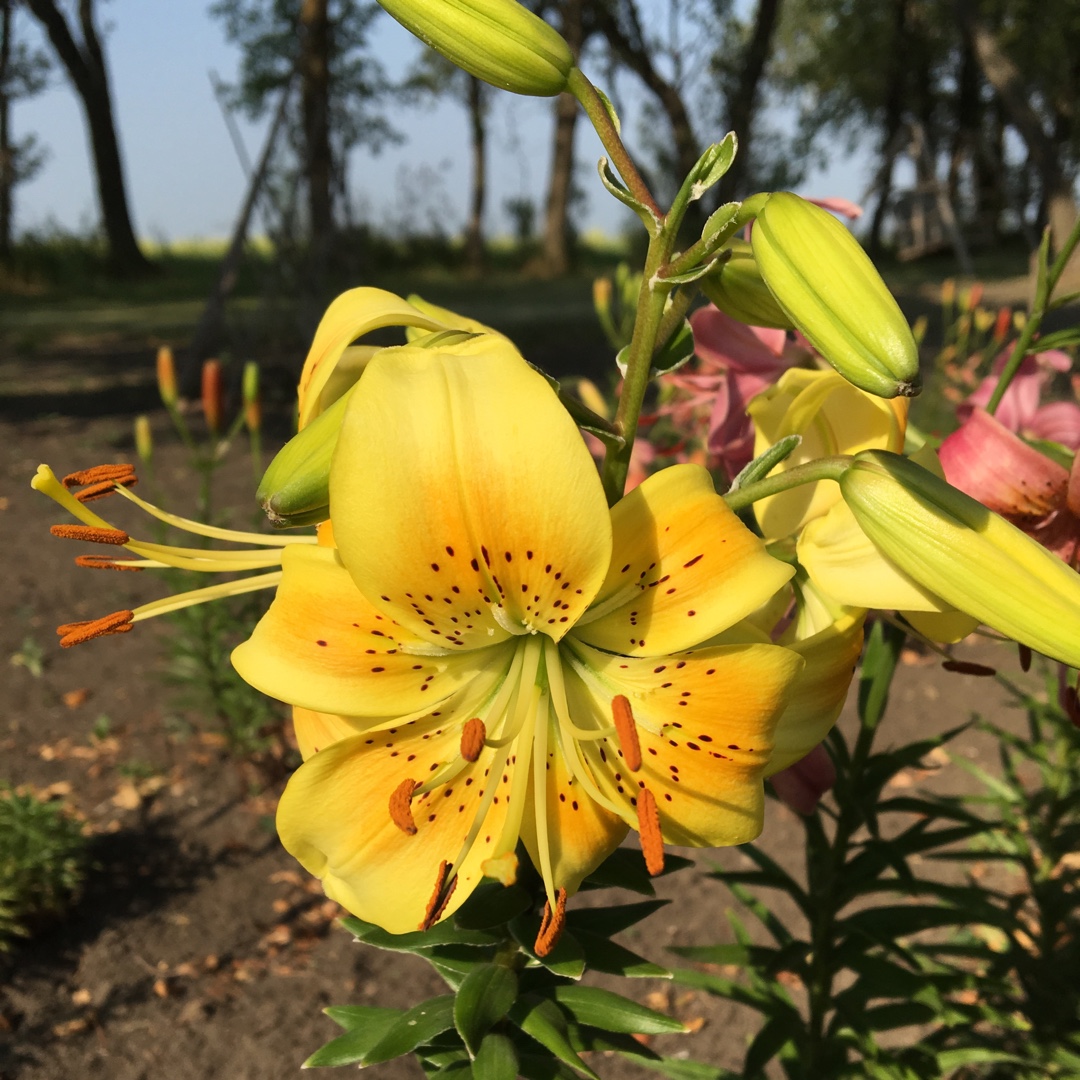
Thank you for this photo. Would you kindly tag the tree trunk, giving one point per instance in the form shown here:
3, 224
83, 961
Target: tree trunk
86, 68
474, 229
7, 151
743, 102
1006, 79
315, 108
555, 257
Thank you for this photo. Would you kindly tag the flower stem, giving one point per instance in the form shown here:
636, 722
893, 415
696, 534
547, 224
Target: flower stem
827, 468
596, 110
1049, 276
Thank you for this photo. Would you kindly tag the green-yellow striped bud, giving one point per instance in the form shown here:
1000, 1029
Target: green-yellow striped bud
295, 489
832, 292
499, 41
737, 288
961, 551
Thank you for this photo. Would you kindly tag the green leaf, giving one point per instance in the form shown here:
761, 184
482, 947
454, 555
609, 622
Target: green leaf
883, 645
624, 868
607, 956
446, 933
418, 1026
544, 1067
776, 1033
491, 906
353, 1016
497, 1058
884, 924
370, 1027
484, 997
614, 186
454, 962
612, 1012
685, 1069
764, 464
611, 920
675, 352
947, 1060
712, 165
897, 1014
566, 959
544, 1021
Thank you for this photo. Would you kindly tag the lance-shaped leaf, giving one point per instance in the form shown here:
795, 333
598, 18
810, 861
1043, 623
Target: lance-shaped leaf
484, 997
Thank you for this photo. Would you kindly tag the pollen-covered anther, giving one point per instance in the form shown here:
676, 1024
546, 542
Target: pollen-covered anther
401, 806
552, 924
626, 730
119, 622
105, 562
473, 735
439, 898
652, 843
91, 534
101, 474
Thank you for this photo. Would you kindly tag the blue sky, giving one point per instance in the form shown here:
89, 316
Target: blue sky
184, 177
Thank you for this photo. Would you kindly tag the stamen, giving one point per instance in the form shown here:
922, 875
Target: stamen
107, 562
91, 534
551, 925
119, 622
401, 807
627, 732
439, 899
1025, 657
652, 843
112, 474
472, 739
99, 490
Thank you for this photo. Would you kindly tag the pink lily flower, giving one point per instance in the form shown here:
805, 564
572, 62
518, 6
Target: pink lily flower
992, 464
1019, 409
735, 363
801, 785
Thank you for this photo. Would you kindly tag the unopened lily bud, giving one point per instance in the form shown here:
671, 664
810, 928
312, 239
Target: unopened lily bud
166, 376
295, 489
144, 440
832, 292
1001, 326
737, 288
970, 557
250, 390
213, 397
499, 41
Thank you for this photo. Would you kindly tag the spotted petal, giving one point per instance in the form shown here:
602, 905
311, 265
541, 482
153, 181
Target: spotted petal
323, 646
334, 817
316, 731
465, 503
705, 720
683, 568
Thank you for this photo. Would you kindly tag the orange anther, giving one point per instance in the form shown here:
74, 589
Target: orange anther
105, 562
552, 924
439, 898
118, 474
91, 534
472, 738
626, 729
652, 843
119, 622
401, 806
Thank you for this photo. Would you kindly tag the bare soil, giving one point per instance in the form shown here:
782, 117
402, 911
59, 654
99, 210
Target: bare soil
200, 949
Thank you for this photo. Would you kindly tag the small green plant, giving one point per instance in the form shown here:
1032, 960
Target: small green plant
30, 656
43, 856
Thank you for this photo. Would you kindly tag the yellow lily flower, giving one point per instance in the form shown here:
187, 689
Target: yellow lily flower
833, 417
489, 653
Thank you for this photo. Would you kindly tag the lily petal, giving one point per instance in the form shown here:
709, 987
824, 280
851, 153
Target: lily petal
705, 721
843, 563
323, 646
465, 503
350, 316
316, 731
988, 462
683, 568
334, 818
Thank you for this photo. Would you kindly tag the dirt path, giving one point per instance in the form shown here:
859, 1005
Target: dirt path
200, 949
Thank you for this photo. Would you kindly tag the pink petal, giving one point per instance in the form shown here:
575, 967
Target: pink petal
801, 785
986, 460
844, 207
733, 345
1059, 422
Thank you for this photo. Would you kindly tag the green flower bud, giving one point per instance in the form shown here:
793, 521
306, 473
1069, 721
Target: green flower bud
974, 560
825, 282
737, 288
295, 489
498, 41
